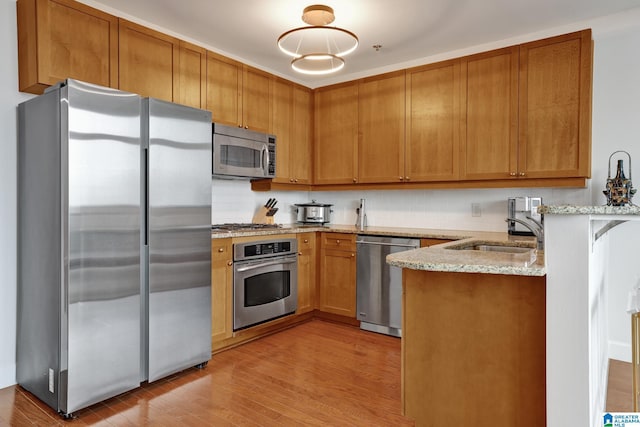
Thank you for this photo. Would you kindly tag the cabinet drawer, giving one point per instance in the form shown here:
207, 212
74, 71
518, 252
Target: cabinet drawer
306, 241
221, 249
339, 241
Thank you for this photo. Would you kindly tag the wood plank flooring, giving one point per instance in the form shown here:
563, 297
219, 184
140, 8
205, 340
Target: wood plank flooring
316, 374
619, 390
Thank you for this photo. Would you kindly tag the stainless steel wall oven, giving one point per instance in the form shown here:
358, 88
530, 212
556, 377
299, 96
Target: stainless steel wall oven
265, 281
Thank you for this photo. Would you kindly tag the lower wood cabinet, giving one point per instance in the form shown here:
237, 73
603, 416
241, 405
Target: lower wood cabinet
221, 291
306, 272
338, 274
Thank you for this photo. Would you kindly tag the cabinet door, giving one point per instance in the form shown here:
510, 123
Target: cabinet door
434, 116
306, 272
192, 75
336, 134
148, 62
491, 148
281, 125
301, 130
224, 89
555, 107
59, 39
221, 290
338, 285
381, 121
256, 102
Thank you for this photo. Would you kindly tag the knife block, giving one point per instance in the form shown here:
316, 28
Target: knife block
260, 217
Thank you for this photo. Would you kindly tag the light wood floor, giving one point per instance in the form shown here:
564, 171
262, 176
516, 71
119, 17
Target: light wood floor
316, 374
619, 391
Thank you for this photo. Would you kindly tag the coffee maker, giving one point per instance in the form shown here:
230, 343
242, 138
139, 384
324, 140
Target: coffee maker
525, 209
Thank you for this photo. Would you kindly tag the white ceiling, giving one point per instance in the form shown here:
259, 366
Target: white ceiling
407, 29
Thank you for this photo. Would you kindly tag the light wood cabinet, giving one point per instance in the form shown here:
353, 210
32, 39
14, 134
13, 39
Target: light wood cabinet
306, 272
555, 107
221, 291
301, 135
237, 95
491, 149
336, 134
338, 274
224, 89
291, 124
434, 114
59, 39
148, 62
192, 75
381, 123
473, 348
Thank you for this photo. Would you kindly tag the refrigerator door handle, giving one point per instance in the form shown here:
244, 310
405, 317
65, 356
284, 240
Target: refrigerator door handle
145, 183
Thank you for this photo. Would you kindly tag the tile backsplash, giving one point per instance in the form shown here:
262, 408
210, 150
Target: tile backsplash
233, 201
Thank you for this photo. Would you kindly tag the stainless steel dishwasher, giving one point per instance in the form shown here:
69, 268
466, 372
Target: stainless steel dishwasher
379, 285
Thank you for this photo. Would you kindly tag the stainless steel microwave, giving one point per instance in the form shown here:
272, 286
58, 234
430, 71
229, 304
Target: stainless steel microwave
242, 153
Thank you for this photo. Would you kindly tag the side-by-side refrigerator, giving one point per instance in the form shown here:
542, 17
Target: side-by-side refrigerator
114, 214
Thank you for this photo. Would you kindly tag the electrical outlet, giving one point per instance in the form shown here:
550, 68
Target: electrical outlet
475, 209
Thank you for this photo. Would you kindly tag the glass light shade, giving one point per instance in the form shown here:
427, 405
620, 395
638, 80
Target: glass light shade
313, 39
317, 64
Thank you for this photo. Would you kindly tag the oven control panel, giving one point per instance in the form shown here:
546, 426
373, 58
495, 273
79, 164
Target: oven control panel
264, 249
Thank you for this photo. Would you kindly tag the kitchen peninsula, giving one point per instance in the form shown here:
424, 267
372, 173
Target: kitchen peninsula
474, 333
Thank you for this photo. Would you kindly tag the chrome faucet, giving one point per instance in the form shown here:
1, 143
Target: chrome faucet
536, 227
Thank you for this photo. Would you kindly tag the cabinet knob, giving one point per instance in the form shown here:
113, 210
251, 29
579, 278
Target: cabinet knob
406, 178
353, 255
295, 180
220, 249
246, 126
512, 174
306, 240
355, 180
229, 263
290, 179
338, 242
300, 253
401, 178
522, 173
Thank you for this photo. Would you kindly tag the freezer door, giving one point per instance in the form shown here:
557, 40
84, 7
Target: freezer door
179, 237
100, 313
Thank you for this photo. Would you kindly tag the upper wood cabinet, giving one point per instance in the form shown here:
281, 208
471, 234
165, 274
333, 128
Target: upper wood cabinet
148, 62
555, 107
336, 134
300, 150
59, 39
192, 75
291, 124
435, 114
491, 148
381, 123
238, 95
224, 89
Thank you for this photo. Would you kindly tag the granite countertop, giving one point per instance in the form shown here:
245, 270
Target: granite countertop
588, 210
439, 257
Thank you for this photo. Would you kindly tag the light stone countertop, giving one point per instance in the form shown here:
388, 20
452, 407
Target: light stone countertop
438, 257
588, 210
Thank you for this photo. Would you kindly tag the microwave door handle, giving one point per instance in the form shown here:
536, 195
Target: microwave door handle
265, 264
265, 156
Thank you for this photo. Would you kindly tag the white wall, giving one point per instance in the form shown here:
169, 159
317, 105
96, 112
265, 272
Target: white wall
615, 126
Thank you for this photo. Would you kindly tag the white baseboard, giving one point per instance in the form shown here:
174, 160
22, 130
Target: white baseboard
7, 375
620, 351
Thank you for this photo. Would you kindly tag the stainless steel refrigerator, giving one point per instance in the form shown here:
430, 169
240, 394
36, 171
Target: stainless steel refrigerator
114, 213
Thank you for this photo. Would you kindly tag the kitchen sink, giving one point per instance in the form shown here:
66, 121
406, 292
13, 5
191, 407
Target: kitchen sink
523, 253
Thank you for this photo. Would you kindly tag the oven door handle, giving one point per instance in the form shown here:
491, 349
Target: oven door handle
266, 264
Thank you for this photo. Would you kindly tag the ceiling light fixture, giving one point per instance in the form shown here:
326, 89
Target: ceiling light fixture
318, 48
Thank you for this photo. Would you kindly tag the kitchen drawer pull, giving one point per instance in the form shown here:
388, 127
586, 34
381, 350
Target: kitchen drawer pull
266, 264
338, 242
229, 263
306, 240
220, 249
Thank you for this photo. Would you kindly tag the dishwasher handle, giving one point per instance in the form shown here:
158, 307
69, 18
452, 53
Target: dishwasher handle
364, 242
